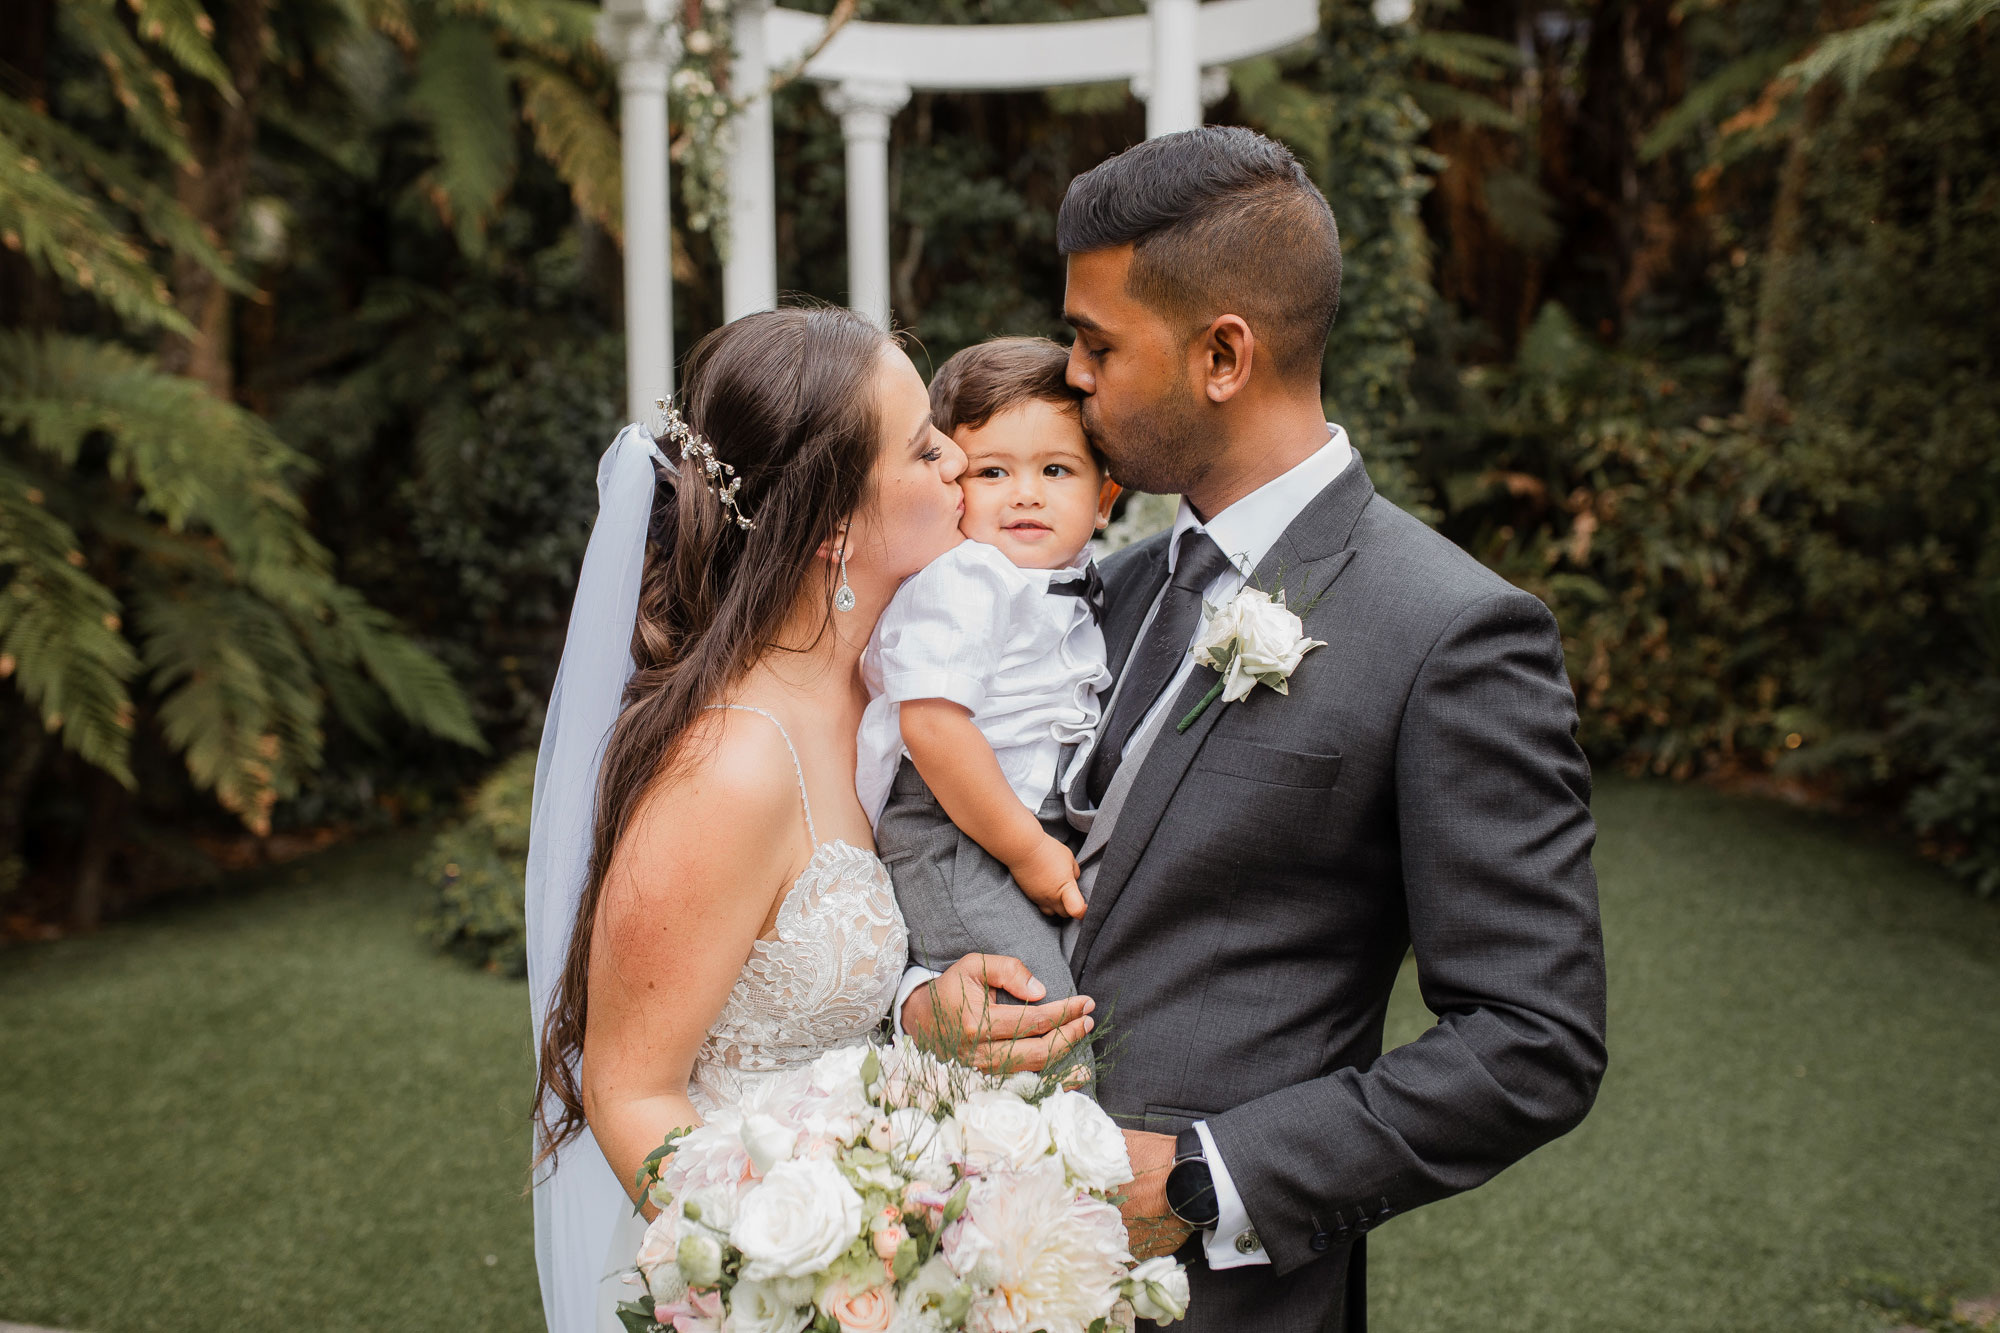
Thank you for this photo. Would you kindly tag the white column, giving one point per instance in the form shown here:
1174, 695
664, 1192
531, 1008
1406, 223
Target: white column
750, 268
865, 107
1173, 92
645, 45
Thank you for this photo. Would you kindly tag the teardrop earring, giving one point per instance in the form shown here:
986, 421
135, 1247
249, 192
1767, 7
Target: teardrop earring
843, 597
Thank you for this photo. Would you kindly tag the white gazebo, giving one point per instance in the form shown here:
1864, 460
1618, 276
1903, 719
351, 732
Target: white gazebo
1172, 56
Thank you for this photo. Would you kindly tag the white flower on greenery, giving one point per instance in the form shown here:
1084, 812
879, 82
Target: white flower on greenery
768, 1140
709, 1208
1022, 1083
1091, 1147
659, 1260
797, 1221
778, 1305
837, 1074
1158, 1290
923, 1147
931, 1299
700, 1257
914, 1078
1000, 1130
1055, 1259
1252, 639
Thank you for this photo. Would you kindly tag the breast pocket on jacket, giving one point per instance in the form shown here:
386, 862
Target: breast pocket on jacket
1268, 763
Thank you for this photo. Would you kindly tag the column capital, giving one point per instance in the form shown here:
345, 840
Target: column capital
639, 32
865, 106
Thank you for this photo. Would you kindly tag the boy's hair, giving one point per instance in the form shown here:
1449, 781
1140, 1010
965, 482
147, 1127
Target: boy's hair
985, 380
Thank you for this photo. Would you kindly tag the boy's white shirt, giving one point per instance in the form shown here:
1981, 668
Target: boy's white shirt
1245, 531
977, 629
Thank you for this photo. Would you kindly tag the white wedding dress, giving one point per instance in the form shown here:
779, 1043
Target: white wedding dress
824, 978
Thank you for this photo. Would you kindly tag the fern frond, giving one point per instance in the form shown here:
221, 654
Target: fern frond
162, 215
183, 29
1708, 100
1445, 101
64, 233
461, 90
555, 28
142, 89
59, 630
355, 634
195, 458
1853, 56
573, 133
239, 699
1470, 55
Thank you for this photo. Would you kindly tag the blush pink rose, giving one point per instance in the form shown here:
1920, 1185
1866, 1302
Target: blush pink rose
869, 1311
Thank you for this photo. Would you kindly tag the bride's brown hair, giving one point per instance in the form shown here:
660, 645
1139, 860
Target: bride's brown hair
787, 398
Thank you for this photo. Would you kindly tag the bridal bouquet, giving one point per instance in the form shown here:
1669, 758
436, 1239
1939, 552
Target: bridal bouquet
883, 1190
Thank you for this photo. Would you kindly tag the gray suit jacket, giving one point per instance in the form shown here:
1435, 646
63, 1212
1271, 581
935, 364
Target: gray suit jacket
1420, 787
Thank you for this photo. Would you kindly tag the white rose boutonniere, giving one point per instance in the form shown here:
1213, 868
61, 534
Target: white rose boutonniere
1252, 639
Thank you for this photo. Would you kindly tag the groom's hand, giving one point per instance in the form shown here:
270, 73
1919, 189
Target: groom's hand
1151, 1224
955, 1016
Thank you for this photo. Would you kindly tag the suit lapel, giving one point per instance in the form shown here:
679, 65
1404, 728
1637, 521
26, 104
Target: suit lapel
1305, 560
1127, 611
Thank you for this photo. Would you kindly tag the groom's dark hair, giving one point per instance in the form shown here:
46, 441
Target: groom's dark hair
1221, 221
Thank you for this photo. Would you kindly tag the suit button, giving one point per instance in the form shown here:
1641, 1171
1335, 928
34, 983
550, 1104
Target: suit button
1247, 1242
1320, 1242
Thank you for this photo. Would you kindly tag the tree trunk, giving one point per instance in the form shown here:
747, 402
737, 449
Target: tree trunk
100, 840
224, 135
1764, 400
26, 741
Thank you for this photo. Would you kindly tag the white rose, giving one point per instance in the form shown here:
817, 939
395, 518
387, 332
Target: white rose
1267, 640
838, 1075
658, 1260
712, 1208
925, 1148
779, 1305
1158, 1290
700, 1257
1092, 1148
797, 1221
768, 1141
1001, 1130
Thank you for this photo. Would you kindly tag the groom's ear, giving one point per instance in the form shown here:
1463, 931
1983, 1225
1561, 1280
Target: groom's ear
1227, 349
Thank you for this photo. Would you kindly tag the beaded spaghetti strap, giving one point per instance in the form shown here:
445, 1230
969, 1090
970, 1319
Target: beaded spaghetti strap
797, 769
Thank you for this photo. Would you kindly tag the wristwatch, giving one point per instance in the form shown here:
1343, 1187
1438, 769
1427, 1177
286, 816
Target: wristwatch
1190, 1185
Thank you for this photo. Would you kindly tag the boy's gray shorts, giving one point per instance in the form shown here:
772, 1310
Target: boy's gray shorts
955, 897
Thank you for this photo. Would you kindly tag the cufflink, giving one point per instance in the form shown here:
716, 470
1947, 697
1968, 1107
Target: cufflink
1247, 1242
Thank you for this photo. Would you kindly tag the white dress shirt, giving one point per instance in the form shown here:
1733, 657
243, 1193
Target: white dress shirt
1246, 531
977, 629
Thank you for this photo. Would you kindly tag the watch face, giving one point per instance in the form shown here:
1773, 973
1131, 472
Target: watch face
1191, 1193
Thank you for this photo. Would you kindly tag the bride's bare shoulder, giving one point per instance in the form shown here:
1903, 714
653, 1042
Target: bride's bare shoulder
730, 799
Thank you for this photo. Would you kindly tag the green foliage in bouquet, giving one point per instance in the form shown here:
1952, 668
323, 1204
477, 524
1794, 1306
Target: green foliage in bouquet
479, 869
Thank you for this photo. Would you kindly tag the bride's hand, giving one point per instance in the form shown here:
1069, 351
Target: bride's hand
955, 1015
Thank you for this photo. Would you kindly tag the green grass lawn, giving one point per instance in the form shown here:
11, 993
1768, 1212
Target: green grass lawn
278, 1111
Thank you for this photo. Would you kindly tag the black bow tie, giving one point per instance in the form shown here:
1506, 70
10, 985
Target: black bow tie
1089, 585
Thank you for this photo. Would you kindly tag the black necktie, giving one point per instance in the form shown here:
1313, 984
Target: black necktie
1089, 585
1197, 563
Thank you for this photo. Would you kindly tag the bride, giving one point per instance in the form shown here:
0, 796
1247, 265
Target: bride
704, 904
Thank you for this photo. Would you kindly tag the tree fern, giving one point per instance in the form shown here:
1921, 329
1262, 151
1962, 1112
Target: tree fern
142, 90
245, 633
183, 29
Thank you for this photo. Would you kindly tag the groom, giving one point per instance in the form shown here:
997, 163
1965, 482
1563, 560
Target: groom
1256, 869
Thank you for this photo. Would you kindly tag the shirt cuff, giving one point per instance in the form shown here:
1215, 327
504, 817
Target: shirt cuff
913, 977
1233, 1242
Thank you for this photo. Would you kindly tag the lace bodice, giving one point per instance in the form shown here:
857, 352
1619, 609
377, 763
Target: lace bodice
825, 978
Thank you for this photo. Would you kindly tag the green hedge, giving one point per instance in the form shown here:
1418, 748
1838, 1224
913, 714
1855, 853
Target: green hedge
479, 868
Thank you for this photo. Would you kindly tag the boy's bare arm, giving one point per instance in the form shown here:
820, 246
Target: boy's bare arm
964, 775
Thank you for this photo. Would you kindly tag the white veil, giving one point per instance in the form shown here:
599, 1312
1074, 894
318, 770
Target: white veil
578, 1199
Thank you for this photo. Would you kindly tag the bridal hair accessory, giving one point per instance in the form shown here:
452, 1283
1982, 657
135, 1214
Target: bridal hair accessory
720, 478
843, 599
